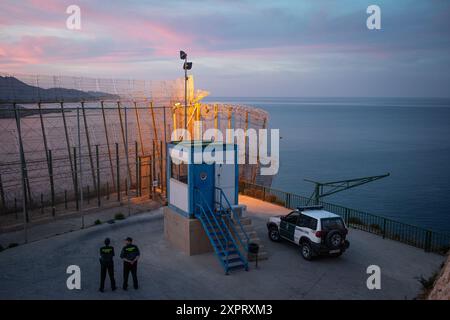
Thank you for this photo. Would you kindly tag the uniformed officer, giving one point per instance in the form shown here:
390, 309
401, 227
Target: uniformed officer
130, 255
107, 264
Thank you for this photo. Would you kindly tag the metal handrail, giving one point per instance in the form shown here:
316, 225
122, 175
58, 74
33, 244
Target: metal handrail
387, 228
215, 219
222, 195
225, 225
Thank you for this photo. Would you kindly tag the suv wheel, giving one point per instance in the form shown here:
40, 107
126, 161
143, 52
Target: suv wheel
274, 234
306, 251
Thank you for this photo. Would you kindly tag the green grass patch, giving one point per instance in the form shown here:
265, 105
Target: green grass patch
97, 222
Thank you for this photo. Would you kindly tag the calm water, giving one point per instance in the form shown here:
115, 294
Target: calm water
328, 139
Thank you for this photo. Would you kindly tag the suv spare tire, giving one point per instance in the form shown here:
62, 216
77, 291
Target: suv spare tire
334, 239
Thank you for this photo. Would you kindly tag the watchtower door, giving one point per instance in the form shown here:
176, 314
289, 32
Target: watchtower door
204, 183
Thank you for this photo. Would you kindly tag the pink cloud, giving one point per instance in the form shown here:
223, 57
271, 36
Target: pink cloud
127, 35
30, 50
126, 28
114, 36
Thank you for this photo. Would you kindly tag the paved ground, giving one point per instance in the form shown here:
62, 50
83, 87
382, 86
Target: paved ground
37, 270
47, 227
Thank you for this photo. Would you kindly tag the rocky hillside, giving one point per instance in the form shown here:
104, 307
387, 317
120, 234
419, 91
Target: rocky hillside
14, 90
441, 288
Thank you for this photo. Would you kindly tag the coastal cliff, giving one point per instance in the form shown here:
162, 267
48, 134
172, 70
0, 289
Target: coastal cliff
441, 288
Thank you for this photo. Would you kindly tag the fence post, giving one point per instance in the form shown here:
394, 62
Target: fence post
161, 173
124, 138
150, 177
136, 161
52, 182
2, 196
428, 241
42, 203
384, 228
107, 144
44, 137
80, 160
264, 194
75, 168
66, 134
346, 217
88, 141
24, 176
117, 172
139, 177
98, 175
138, 122
153, 168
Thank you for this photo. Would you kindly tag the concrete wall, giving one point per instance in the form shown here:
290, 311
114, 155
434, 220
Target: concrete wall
184, 234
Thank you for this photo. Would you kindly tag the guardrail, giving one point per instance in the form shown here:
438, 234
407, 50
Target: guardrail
426, 239
227, 217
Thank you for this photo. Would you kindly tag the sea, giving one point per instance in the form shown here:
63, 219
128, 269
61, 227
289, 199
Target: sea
330, 139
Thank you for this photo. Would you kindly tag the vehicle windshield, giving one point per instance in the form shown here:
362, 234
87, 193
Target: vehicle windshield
332, 223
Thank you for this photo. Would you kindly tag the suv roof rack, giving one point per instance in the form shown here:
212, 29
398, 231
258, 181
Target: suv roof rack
309, 208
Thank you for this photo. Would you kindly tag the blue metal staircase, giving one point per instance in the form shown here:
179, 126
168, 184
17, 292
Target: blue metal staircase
220, 231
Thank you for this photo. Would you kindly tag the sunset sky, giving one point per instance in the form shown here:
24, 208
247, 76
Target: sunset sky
239, 48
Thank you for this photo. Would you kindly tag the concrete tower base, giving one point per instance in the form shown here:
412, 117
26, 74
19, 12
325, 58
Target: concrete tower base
187, 235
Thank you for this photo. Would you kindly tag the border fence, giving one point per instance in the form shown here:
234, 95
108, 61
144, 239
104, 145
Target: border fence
387, 228
71, 144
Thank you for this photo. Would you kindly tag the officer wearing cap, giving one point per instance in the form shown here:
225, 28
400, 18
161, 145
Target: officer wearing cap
130, 255
107, 265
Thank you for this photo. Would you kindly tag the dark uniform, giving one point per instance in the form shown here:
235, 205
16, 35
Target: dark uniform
130, 252
107, 264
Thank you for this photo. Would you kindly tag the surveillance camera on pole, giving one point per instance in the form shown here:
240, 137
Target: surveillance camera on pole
186, 66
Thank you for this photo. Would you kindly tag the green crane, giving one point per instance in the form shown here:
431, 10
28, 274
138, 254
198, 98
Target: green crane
323, 189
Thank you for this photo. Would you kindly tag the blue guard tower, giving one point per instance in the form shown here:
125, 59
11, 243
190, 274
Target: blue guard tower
202, 194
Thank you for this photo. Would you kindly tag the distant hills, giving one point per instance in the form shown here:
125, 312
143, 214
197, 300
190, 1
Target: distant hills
14, 90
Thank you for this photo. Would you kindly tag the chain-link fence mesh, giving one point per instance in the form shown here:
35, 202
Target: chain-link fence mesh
69, 144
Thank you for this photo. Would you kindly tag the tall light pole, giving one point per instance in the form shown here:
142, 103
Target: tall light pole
186, 66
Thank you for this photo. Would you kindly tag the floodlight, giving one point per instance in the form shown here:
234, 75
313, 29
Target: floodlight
187, 66
183, 55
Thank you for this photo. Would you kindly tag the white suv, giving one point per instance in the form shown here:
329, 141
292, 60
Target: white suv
316, 231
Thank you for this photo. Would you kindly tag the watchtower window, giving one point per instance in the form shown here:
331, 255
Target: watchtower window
179, 172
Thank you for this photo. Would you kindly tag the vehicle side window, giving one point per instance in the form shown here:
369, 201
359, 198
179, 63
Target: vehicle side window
303, 221
292, 218
313, 224
307, 222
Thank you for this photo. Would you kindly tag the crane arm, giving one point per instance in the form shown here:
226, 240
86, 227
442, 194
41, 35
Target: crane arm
323, 189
